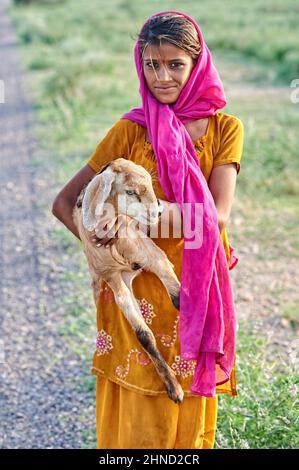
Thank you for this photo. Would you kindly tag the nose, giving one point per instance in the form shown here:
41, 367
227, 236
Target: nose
163, 74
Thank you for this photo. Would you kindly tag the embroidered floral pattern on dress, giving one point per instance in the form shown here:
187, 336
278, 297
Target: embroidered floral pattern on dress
147, 310
103, 343
142, 358
166, 339
199, 146
182, 367
122, 371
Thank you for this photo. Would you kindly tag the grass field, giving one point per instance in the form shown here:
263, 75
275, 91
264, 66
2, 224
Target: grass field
79, 56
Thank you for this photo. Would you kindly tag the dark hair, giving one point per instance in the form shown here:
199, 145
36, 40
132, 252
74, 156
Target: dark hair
172, 28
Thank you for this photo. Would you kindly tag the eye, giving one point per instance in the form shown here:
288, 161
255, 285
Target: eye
173, 63
150, 65
130, 192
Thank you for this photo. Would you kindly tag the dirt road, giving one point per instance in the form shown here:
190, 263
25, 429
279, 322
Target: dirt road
40, 402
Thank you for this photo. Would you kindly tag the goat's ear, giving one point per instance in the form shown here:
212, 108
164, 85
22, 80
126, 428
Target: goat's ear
95, 196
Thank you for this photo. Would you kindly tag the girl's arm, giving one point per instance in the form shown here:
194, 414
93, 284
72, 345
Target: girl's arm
222, 184
65, 201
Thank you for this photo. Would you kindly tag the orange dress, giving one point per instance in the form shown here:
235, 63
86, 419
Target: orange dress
131, 399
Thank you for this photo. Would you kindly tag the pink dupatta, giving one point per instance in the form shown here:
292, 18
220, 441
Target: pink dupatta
207, 313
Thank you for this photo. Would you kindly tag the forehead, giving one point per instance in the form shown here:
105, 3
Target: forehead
165, 51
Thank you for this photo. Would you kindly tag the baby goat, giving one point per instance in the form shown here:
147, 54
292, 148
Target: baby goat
127, 188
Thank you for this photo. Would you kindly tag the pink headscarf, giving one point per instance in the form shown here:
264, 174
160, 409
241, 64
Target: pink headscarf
207, 313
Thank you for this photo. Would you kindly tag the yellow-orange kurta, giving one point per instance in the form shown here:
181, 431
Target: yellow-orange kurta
125, 373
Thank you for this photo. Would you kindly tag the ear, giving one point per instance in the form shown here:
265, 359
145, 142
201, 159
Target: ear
96, 194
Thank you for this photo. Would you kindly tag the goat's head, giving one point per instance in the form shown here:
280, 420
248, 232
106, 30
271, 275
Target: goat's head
124, 187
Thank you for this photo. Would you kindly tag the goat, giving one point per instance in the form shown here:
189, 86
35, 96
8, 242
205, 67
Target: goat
117, 184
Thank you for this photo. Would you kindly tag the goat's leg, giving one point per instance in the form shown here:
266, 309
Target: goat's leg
128, 304
155, 260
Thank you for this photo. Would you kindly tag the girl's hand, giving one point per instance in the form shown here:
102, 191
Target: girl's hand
107, 232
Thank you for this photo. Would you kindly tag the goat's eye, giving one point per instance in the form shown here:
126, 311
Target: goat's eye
130, 192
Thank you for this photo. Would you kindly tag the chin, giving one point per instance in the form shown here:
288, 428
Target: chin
169, 102
166, 100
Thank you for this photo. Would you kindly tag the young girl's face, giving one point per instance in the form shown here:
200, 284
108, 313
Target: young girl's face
168, 72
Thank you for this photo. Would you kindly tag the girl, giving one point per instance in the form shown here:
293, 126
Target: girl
178, 132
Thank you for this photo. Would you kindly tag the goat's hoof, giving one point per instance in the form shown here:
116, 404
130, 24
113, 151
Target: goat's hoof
176, 300
175, 393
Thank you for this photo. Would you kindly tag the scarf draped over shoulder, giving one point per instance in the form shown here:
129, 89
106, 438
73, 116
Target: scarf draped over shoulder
207, 312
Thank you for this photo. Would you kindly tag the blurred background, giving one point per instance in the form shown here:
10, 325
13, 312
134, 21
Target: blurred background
68, 72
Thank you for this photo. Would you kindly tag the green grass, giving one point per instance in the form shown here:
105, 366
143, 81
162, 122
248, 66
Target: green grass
82, 78
290, 313
265, 413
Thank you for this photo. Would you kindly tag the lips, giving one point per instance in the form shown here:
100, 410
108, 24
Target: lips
166, 91
164, 88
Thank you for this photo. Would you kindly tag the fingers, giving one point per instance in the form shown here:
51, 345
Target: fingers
107, 231
104, 226
106, 235
102, 241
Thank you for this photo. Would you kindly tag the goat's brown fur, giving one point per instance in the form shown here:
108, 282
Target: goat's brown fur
127, 256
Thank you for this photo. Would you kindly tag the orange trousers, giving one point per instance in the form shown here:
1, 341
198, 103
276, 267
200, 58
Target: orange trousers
129, 420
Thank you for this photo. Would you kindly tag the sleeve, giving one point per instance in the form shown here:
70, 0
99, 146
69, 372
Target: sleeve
231, 144
113, 145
